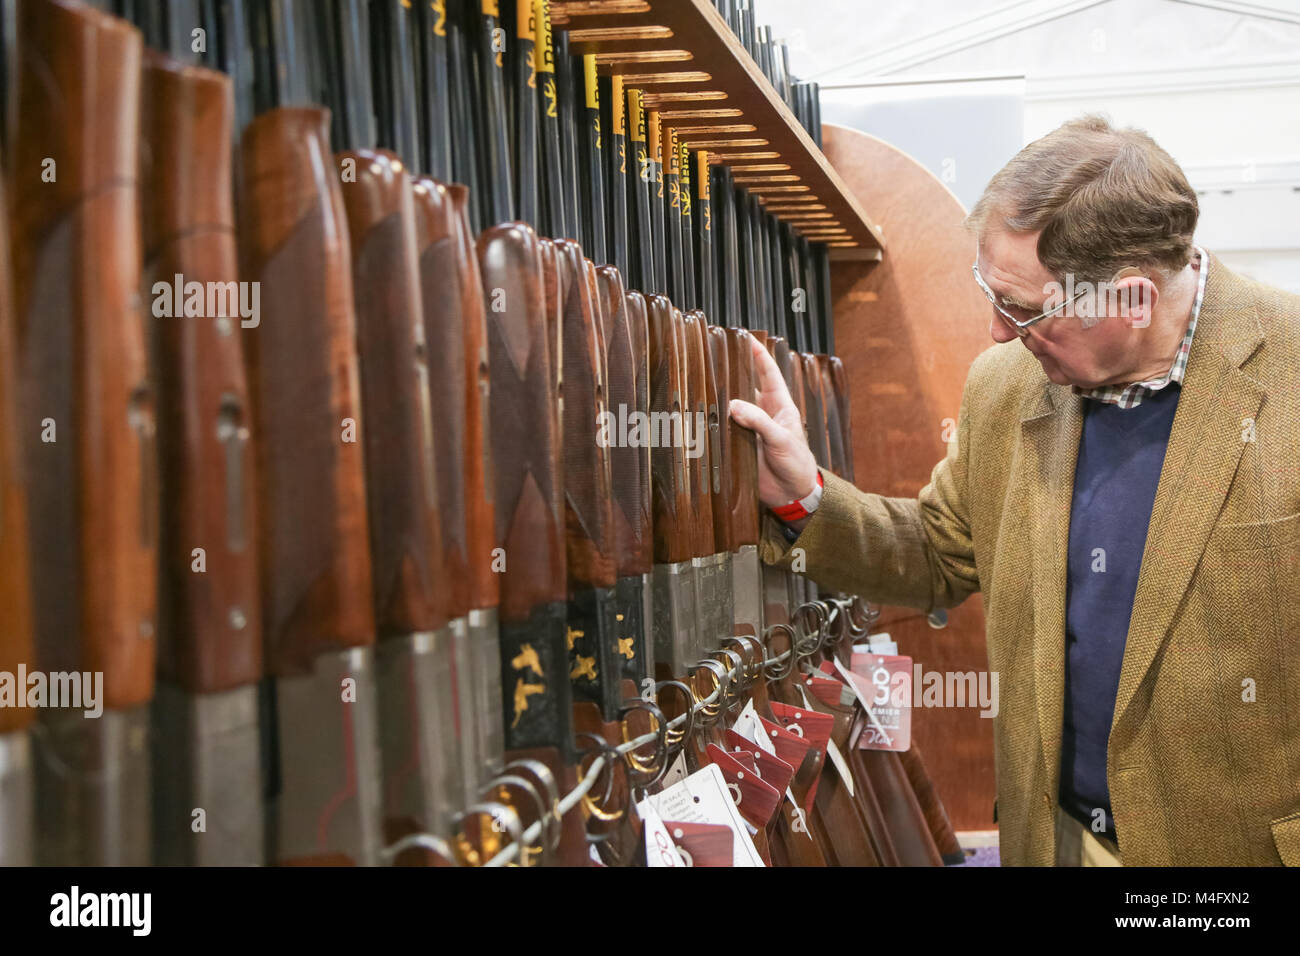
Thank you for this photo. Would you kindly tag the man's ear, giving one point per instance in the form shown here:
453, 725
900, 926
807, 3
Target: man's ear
1136, 297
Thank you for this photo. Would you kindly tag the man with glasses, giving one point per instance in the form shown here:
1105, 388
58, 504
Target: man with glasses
1124, 492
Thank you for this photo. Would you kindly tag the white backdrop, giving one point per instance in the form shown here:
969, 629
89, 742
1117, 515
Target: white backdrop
1216, 82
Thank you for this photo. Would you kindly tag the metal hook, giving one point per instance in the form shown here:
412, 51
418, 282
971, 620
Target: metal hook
542, 850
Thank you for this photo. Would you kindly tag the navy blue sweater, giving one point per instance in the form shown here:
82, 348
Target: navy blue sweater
1121, 452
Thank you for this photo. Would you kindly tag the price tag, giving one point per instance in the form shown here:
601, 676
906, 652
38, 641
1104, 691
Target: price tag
660, 850
703, 797
883, 685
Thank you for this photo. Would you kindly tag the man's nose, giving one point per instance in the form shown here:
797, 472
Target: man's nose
1000, 331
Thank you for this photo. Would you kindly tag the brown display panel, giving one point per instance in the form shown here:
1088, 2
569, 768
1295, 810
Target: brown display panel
907, 331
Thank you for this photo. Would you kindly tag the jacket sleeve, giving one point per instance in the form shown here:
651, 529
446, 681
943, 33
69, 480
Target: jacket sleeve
914, 552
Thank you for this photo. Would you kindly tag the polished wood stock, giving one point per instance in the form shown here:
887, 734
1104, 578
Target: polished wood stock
674, 538
814, 407
525, 442
722, 477
446, 275
313, 526
16, 645
743, 458
401, 492
835, 434
626, 375
588, 511
840, 383
210, 626
701, 402
77, 266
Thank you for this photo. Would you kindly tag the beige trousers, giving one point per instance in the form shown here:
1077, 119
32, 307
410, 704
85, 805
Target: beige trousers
1076, 845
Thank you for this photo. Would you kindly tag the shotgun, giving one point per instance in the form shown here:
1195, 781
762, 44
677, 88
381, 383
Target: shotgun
465, 121
715, 600
639, 182
454, 322
614, 117
525, 112
433, 87
835, 433
415, 666
658, 212
17, 807
840, 383
526, 449
568, 82
675, 625
684, 179
207, 750
594, 235
705, 268
495, 158
592, 628
673, 235
738, 482
626, 355
81, 342
313, 529
553, 209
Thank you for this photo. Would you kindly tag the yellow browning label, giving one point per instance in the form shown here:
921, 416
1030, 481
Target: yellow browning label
490, 8
635, 117
525, 19
589, 76
670, 153
702, 157
440, 24
684, 172
542, 31
618, 106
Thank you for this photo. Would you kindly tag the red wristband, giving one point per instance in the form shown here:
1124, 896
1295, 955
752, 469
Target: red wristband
804, 506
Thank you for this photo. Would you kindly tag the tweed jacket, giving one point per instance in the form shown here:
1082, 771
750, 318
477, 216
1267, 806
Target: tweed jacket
1203, 762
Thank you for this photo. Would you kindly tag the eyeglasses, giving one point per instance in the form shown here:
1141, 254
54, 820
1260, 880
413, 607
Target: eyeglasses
1020, 324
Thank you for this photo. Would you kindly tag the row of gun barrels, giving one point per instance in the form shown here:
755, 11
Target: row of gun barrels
333, 509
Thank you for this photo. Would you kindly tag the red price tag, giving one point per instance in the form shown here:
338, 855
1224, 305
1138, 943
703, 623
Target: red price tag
884, 687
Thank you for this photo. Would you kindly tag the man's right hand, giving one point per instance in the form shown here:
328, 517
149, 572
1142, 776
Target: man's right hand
787, 470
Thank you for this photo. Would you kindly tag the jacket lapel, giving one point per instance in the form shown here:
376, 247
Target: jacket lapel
1205, 447
1051, 423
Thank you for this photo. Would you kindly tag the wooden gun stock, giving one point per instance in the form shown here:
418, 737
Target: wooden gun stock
592, 630
210, 629
442, 269
814, 408
403, 505
743, 457
701, 404
674, 538
626, 378
840, 382
722, 470
480, 512
16, 646
835, 435
936, 817
526, 447
589, 519
77, 267
313, 526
